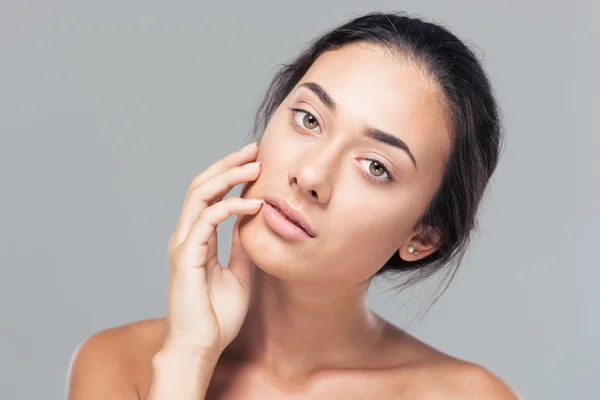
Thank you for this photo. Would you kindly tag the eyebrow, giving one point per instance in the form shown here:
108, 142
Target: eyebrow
367, 130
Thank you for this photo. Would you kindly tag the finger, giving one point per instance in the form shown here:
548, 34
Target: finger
210, 192
213, 244
242, 156
207, 222
239, 263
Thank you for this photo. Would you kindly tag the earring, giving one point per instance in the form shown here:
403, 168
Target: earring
412, 250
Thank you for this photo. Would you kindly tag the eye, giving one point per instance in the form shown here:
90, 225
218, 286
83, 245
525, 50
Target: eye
376, 171
302, 119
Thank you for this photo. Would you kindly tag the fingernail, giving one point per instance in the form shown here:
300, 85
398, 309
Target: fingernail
253, 201
251, 165
250, 146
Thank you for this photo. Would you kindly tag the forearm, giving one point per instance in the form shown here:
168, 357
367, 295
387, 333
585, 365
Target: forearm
182, 376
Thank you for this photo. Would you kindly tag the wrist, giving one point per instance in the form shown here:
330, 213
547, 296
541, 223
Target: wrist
172, 350
180, 373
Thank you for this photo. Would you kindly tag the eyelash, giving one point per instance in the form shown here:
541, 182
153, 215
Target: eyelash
382, 181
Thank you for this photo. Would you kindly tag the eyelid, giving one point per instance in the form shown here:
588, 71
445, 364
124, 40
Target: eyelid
389, 165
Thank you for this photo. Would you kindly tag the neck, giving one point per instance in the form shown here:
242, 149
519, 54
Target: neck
297, 329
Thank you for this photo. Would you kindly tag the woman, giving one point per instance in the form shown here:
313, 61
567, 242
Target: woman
375, 146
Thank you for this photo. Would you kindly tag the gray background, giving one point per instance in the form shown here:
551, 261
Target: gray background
108, 109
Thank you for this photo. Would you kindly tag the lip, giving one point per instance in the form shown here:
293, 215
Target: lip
291, 212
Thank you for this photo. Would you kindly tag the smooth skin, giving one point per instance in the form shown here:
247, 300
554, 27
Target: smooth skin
295, 325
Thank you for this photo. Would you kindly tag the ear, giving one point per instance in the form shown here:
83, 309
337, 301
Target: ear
420, 244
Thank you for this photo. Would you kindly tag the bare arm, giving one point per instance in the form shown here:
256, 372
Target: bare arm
178, 374
207, 304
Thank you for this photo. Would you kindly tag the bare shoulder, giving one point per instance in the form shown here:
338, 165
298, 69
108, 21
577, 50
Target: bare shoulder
456, 379
432, 374
114, 362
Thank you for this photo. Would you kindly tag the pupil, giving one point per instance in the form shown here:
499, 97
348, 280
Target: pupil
309, 119
377, 169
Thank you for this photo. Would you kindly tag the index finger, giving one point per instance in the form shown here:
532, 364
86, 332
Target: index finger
236, 158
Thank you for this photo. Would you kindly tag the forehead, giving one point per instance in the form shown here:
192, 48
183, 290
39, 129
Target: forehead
370, 86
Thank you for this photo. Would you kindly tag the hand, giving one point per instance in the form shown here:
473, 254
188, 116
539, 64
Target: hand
207, 304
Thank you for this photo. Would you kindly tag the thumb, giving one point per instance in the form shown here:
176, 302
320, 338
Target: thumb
239, 262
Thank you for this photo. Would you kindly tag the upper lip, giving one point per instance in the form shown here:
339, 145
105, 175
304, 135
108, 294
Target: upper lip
291, 212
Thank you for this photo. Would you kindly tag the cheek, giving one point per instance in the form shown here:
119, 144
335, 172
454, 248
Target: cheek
369, 238
274, 157
377, 215
277, 143
368, 228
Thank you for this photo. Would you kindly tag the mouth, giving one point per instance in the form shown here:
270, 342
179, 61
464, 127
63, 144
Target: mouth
290, 215
293, 221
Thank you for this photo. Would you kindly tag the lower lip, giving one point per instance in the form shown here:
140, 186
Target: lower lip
281, 225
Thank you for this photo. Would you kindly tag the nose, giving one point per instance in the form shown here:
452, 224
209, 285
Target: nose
315, 173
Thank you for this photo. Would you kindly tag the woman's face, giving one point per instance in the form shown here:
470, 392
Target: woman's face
318, 159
